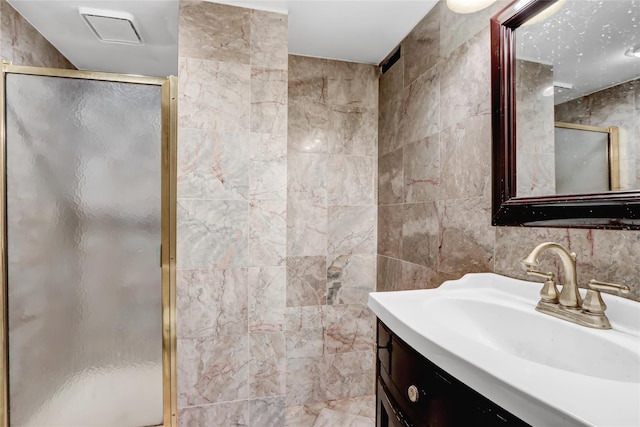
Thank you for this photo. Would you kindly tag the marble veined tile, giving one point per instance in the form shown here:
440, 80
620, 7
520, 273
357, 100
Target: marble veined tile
307, 380
350, 278
349, 327
308, 78
615, 261
212, 233
305, 331
353, 130
214, 31
309, 126
213, 370
267, 412
267, 364
350, 374
305, 343
268, 167
420, 233
390, 230
464, 93
391, 178
267, 298
213, 165
268, 147
305, 415
353, 84
466, 241
214, 95
221, 414
465, 162
211, 303
306, 228
267, 232
421, 108
389, 274
536, 174
306, 281
268, 101
351, 229
421, 48
389, 121
305, 317
307, 177
332, 418
268, 180
421, 162
350, 180
269, 40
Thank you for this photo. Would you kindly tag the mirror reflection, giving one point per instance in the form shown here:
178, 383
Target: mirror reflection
578, 98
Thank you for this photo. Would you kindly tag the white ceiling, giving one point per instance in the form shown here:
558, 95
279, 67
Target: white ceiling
358, 31
157, 21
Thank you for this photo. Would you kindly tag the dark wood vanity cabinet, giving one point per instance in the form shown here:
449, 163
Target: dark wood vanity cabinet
413, 392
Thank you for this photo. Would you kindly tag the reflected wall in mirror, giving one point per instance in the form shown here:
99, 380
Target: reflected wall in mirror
576, 62
576, 66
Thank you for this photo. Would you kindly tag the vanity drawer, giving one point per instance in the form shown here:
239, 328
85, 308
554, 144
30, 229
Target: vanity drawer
384, 346
426, 395
419, 389
409, 376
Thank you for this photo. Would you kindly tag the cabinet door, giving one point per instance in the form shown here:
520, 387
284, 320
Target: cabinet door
386, 414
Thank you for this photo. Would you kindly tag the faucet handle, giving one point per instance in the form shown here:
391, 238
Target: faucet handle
604, 286
546, 276
593, 302
549, 292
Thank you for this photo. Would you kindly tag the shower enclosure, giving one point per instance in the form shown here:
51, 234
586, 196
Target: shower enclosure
87, 231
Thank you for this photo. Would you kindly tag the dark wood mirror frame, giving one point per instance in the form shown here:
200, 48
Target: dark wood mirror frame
612, 210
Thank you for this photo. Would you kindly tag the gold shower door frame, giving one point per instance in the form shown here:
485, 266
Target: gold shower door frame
168, 224
613, 150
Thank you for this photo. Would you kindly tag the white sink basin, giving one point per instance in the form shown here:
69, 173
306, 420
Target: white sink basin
523, 333
484, 330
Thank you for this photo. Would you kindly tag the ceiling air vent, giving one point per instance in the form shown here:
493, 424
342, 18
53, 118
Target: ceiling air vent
391, 59
111, 26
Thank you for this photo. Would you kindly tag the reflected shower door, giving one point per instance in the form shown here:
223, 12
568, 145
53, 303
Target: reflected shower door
84, 281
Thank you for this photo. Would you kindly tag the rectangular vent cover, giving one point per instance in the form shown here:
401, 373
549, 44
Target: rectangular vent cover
112, 27
392, 59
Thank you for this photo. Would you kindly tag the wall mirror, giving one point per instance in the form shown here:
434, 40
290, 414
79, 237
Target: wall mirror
566, 114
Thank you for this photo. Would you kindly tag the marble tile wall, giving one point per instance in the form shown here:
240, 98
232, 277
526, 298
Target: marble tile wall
22, 44
331, 233
434, 170
615, 106
232, 215
535, 154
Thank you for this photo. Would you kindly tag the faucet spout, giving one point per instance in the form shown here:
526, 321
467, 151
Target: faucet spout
569, 297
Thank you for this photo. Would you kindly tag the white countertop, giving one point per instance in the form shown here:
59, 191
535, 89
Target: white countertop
556, 392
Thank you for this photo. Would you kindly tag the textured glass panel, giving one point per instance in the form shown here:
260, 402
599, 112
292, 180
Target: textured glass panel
84, 280
582, 163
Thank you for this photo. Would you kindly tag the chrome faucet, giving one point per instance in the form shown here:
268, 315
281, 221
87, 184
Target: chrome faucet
569, 304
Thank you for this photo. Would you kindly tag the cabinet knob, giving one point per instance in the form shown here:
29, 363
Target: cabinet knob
413, 393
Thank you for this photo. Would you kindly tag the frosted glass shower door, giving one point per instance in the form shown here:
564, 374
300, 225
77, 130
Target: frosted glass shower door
84, 282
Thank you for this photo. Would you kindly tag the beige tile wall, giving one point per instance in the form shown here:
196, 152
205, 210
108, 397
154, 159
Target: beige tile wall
331, 231
232, 212
435, 168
